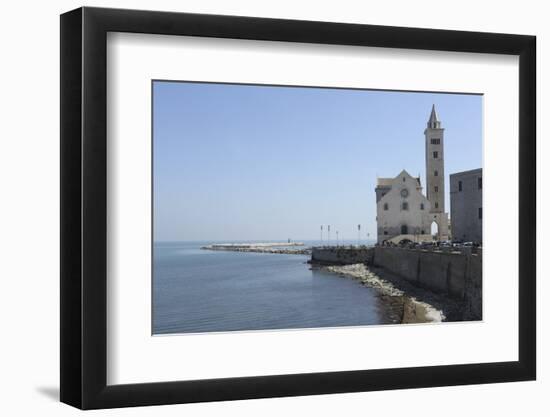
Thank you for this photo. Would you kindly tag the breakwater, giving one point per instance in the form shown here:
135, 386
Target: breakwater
274, 248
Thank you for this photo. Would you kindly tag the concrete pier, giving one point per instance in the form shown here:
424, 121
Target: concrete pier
276, 248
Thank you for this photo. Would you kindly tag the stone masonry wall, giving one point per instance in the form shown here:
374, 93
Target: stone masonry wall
440, 272
457, 275
473, 287
340, 255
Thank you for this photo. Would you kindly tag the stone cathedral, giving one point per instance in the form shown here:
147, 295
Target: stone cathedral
402, 210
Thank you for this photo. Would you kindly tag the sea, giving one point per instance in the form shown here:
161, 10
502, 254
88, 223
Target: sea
196, 291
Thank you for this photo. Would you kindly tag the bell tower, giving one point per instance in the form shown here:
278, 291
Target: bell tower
435, 169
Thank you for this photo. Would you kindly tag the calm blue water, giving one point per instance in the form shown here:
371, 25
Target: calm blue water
203, 291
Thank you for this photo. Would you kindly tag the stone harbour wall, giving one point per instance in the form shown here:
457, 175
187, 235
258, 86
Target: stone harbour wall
342, 255
473, 288
454, 274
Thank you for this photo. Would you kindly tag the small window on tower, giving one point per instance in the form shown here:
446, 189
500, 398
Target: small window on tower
436, 154
479, 213
403, 179
436, 204
479, 183
436, 173
436, 189
459, 185
435, 141
422, 208
386, 206
405, 205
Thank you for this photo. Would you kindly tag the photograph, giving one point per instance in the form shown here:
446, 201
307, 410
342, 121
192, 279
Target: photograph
275, 208
300, 207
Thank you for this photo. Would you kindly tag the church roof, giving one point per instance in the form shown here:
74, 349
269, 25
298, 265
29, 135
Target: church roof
404, 172
384, 182
387, 182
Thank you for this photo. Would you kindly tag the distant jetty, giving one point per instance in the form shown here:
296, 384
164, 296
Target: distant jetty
279, 248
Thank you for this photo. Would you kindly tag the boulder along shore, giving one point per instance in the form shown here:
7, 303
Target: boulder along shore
409, 304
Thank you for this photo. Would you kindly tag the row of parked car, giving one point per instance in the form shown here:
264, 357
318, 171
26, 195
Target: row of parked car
432, 245
449, 244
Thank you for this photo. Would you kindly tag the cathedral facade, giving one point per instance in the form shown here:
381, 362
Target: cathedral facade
402, 210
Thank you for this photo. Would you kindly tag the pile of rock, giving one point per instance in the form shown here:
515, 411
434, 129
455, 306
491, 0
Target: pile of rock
413, 310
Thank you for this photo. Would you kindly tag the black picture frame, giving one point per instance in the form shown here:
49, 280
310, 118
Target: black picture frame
84, 207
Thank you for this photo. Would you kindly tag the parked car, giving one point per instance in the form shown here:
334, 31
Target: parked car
426, 245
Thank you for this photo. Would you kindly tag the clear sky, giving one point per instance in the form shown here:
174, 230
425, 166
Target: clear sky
239, 162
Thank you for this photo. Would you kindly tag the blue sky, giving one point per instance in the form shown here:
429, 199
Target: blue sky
239, 162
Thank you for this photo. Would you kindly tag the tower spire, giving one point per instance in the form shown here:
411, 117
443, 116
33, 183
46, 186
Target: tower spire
433, 122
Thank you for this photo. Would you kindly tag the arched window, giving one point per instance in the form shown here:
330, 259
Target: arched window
434, 228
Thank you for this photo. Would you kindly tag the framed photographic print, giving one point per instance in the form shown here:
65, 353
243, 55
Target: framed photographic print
257, 207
